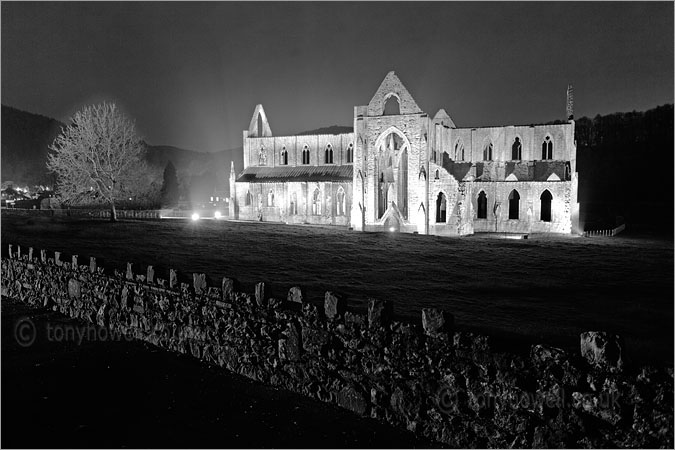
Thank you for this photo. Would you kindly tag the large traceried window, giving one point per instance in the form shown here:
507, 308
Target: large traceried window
517, 150
247, 201
487, 151
546, 199
270, 198
482, 205
514, 205
547, 148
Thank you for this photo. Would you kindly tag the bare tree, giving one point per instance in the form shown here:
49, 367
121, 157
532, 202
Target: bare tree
98, 156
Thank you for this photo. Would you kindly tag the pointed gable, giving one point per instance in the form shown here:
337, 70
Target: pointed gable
443, 118
253, 126
391, 85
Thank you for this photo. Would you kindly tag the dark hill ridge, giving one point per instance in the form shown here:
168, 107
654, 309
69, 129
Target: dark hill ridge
333, 129
25, 141
26, 138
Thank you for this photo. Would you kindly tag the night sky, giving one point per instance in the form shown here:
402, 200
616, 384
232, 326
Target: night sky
190, 74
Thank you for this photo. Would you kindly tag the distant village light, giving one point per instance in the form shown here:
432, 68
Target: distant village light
195, 217
217, 215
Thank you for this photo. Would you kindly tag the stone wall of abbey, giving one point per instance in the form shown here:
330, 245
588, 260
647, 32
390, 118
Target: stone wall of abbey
402, 170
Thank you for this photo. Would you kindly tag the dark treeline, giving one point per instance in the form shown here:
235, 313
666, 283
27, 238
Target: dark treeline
625, 165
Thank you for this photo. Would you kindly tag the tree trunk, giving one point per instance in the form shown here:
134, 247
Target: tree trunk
113, 212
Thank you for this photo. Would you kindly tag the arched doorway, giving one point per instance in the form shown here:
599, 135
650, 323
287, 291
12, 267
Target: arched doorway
546, 199
514, 205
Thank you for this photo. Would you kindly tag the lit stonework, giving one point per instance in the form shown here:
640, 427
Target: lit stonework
402, 170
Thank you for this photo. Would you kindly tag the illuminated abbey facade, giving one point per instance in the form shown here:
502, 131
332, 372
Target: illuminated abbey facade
402, 170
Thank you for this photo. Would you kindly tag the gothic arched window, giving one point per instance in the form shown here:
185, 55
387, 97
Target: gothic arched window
340, 202
329, 154
262, 157
305, 155
459, 151
284, 157
316, 202
517, 150
294, 204
482, 205
514, 204
391, 107
547, 148
487, 151
350, 153
441, 206
546, 199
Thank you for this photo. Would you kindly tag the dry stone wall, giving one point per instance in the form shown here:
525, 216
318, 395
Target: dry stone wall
453, 387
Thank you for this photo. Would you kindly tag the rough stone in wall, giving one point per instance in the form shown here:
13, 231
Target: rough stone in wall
74, 261
11, 255
290, 346
130, 272
124, 297
199, 283
57, 259
355, 320
333, 305
228, 288
436, 322
295, 294
380, 313
260, 298
150, 275
602, 349
43, 256
274, 303
92, 264
350, 398
30, 253
74, 289
173, 278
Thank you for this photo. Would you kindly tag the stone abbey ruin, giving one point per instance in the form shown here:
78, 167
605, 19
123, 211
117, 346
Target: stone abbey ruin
401, 170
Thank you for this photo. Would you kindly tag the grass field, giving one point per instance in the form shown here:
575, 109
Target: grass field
543, 289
